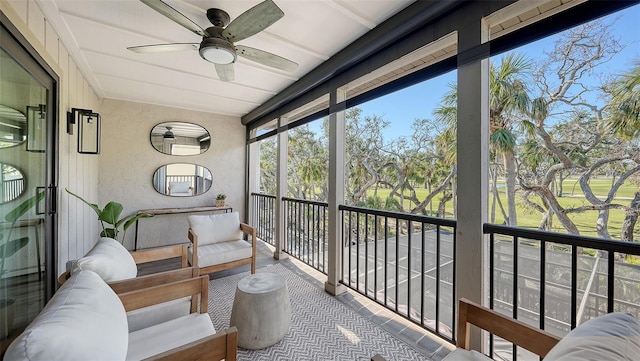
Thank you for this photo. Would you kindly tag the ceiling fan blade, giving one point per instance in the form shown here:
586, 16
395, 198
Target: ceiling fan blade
225, 72
163, 48
266, 58
253, 21
173, 14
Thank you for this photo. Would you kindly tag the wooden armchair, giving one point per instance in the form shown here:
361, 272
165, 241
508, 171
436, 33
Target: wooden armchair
530, 338
217, 242
612, 336
73, 325
114, 263
119, 268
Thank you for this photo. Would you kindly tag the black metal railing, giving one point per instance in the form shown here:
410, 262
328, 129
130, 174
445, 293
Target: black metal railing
264, 216
557, 281
306, 231
404, 262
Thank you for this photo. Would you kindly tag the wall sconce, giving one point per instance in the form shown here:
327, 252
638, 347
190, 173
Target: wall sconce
88, 129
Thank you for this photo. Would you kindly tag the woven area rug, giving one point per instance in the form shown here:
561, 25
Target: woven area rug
322, 328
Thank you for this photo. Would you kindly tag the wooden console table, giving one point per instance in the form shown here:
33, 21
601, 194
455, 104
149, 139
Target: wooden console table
161, 211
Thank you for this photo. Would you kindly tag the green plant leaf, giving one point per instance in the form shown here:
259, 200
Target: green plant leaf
109, 232
94, 206
111, 213
23, 208
11, 247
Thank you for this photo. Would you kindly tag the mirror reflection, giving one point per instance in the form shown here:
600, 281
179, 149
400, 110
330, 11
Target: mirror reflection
13, 125
182, 180
180, 138
12, 183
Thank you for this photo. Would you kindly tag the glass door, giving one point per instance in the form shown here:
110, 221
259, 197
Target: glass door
27, 184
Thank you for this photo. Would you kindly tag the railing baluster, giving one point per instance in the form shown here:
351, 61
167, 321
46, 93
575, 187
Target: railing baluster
514, 296
422, 278
438, 256
610, 281
375, 257
491, 282
366, 254
397, 263
358, 251
574, 285
409, 268
543, 280
386, 258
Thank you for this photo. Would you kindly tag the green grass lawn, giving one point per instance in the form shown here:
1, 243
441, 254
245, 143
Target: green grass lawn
572, 197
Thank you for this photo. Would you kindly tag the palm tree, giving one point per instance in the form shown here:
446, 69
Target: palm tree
508, 97
625, 104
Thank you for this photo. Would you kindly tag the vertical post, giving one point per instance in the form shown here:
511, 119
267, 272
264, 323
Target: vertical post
336, 189
281, 191
254, 179
473, 165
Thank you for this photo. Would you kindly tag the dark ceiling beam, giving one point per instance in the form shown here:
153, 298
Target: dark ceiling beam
398, 26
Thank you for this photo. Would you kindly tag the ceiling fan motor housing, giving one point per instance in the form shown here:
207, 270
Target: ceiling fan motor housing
219, 18
216, 49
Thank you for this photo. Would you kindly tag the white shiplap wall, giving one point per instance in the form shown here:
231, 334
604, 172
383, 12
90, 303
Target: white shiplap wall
77, 223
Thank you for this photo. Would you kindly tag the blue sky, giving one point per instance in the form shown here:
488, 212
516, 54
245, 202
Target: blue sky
416, 102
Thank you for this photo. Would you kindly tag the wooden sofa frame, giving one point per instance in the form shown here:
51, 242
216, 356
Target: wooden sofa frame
517, 332
246, 229
222, 345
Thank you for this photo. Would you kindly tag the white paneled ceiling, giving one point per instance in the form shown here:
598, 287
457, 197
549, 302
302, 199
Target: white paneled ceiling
98, 32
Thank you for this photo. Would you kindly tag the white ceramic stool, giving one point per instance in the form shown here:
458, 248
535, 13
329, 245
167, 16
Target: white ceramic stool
261, 310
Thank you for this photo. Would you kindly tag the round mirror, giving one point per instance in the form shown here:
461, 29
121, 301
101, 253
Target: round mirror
180, 138
13, 125
11, 183
182, 180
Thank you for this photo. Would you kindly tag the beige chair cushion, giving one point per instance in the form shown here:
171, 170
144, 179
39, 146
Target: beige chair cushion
179, 187
168, 335
84, 320
216, 228
109, 259
615, 336
219, 253
162, 312
461, 354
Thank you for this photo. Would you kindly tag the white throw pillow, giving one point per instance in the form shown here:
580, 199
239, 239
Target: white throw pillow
216, 228
84, 320
110, 260
615, 336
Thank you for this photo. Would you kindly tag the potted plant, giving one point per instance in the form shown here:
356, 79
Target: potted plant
109, 215
9, 247
220, 199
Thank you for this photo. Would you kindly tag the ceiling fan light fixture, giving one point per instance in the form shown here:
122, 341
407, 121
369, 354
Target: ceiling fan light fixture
168, 135
217, 51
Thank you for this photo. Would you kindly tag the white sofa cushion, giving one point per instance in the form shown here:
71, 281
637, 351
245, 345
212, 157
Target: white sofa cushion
219, 253
109, 259
180, 187
216, 228
168, 335
84, 320
461, 354
162, 312
615, 336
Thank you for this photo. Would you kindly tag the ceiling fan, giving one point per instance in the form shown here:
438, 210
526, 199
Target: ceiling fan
217, 45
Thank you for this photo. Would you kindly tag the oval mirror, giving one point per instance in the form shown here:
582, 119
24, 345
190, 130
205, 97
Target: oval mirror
13, 125
182, 180
180, 138
11, 183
